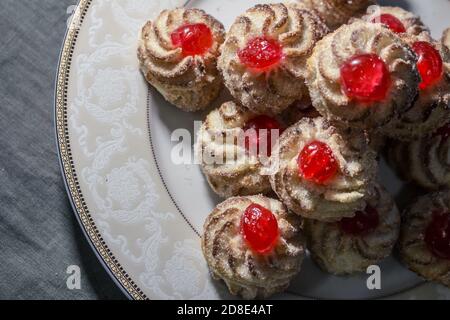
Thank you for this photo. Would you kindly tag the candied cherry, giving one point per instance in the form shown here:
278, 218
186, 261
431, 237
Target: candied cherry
391, 22
261, 53
193, 39
259, 227
366, 78
430, 63
437, 235
316, 163
254, 138
362, 223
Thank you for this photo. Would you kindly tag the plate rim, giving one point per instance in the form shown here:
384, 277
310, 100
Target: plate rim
89, 229
106, 258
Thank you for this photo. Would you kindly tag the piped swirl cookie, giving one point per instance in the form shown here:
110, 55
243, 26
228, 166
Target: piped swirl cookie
322, 172
424, 161
362, 75
431, 109
334, 12
424, 243
263, 59
353, 244
254, 245
446, 38
232, 147
398, 20
178, 56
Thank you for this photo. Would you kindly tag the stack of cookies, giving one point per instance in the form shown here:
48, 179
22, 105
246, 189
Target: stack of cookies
321, 89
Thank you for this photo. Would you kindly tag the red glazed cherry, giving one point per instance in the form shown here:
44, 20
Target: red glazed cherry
365, 78
391, 22
430, 63
259, 228
316, 163
194, 39
437, 235
362, 223
253, 139
261, 53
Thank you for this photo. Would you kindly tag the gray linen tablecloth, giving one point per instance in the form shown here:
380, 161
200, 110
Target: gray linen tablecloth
39, 234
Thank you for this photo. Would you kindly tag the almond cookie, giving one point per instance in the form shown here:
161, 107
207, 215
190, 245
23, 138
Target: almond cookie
353, 244
424, 161
231, 158
304, 109
424, 243
446, 38
178, 56
322, 172
398, 20
362, 75
431, 110
334, 12
263, 59
254, 245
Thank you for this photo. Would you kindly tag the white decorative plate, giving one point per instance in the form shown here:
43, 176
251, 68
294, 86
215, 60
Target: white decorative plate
141, 212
